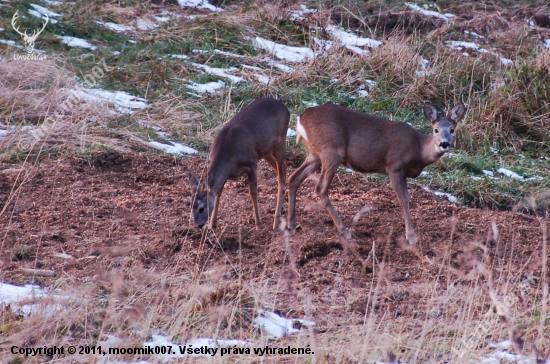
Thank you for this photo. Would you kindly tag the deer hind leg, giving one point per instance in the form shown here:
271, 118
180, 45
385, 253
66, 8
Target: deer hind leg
310, 165
328, 171
280, 167
253, 188
399, 184
214, 216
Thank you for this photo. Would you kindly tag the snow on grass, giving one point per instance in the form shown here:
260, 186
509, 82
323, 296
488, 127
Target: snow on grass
119, 28
10, 43
290, 133
1, 29
288, 53
449, 197
53, 2
514, 175
445, 16
279, 66
228, 54
39, 15
349, 39
44, 11
460, 45
123, 102
222, 72
310, 103
171, 147
146, 24
547, 43
179, 56
301, 14
211, 344
473, 34
198, 4
502, 355
423, 71
209, 87
277, 326
14, 296
162, 19
489, 174
263, 79
76, 42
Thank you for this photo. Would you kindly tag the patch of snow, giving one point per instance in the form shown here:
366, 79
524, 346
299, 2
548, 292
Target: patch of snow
450, 197
503, 356
489, 174
116, 53
190, 17
111, 342
280, 66
423, 63
301, 14
334, 80
119, 28
209, 87
14, 295
39, 15
251, 67
363, 93
476, 178
162, 19
310, 103
198, 4
460, 45
324, 45
222, 72
445, 16
277, 326
200, 51
180, 56
290, 133
547, 43
474, 34
132, 41
44, 11
288, 53
531, 24
516, 176
123, 102
424, 173
146, 24
1, 29
162, 341
172, 148
53, 2
229, 54
76, 42
351, 39
263, 79
10, 43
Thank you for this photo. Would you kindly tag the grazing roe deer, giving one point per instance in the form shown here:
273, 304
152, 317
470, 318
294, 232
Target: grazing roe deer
257, 132
335, 135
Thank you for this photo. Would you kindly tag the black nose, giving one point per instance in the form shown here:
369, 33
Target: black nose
200, 226
444, 145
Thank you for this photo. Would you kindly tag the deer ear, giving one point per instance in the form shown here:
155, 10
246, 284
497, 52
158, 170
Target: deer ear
458, 112
430, 112
194, 181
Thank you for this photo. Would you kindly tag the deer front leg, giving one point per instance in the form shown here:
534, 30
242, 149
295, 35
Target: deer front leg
399, 184
279, 166
253, 188
327, 174
309, 166
214, 217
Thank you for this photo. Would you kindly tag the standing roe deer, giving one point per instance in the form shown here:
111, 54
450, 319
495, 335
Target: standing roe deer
257, 131
335, 135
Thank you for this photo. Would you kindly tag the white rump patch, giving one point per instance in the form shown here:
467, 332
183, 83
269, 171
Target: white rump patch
300, 129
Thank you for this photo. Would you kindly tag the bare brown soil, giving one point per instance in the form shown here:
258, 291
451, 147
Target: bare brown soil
112, 209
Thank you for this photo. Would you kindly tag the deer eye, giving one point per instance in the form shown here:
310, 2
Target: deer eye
452, 131
201, 210
436, 131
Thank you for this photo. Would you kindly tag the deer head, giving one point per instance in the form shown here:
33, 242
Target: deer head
28, 39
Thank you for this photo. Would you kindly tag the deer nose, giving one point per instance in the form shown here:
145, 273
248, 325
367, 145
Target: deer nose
444, 145
200, 226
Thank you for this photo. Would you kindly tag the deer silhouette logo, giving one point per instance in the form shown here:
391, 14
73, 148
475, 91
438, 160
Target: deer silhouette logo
28, 39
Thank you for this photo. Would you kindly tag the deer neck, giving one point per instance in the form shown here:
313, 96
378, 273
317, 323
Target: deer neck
430, 154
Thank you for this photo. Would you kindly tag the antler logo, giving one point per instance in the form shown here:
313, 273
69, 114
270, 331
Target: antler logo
28, 39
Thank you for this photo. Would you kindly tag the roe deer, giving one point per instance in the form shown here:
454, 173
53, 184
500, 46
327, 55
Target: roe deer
257, 131
335, 135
